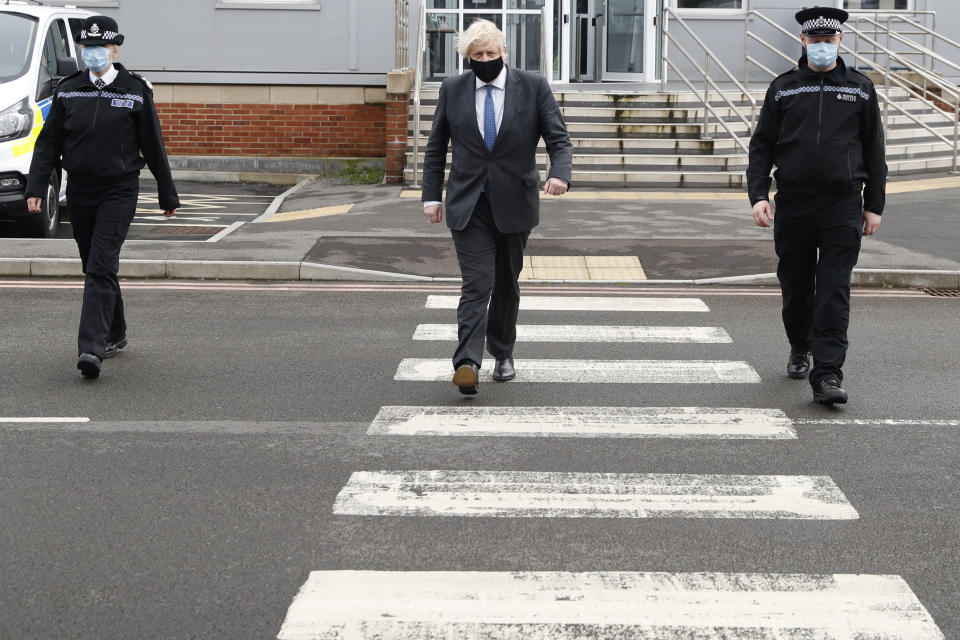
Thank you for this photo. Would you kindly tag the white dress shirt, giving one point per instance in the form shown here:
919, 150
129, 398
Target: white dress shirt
499, 85
108, 76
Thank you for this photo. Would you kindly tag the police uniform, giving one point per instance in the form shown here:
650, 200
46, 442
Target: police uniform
823, 132
97, 130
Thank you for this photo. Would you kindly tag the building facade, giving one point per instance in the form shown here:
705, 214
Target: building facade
309, 78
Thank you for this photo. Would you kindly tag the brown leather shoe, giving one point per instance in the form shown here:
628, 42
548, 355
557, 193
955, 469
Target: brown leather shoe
466, 378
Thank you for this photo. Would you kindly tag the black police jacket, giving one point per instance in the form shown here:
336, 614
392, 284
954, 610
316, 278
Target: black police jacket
823, 132
100, 134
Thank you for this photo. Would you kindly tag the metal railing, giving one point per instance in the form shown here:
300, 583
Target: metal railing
401, 55
884, 66
874, 17
667, 38
417, 84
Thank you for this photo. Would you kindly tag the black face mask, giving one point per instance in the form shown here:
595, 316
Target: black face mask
487, 71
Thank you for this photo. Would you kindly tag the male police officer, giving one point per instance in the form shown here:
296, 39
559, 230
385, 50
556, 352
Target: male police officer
100, 123
820, 125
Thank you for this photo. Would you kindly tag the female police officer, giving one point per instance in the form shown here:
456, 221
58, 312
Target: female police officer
100, 123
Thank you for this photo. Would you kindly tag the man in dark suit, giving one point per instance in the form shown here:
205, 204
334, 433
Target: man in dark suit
495, 117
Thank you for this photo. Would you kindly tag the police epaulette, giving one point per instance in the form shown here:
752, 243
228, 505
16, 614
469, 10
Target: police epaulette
65, 78
141, 79
787, 72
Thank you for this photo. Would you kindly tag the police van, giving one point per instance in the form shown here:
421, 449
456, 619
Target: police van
36, 52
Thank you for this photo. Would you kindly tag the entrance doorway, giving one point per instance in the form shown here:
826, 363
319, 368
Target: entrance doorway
611, 40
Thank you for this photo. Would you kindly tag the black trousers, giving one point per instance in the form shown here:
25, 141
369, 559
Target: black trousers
490, 263
817, 240
100, 213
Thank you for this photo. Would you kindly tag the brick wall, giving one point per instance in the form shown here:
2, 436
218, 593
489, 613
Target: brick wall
273, 121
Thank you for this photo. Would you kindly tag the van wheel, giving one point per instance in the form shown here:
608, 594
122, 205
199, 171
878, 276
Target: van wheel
45, 223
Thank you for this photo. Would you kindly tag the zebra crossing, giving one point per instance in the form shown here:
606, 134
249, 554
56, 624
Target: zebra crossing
565, 605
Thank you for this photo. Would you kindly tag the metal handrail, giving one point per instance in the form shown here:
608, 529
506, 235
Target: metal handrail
417, 82
890, 78
708, 82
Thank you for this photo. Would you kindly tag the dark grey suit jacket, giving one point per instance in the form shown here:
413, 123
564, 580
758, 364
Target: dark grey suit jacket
529, 112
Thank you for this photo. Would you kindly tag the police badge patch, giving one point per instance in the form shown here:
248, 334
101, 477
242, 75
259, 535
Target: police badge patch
117, 102
846, 97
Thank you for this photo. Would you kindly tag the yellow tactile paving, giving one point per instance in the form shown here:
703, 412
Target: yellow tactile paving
610, 262
582, 268
558, 262
311, 213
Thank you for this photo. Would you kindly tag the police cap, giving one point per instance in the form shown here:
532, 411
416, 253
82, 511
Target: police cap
821, 21
99, 30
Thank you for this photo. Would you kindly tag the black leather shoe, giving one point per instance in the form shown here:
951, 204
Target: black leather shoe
829, 391
89, 365
504, 370
114, 347
466, 378
799, 365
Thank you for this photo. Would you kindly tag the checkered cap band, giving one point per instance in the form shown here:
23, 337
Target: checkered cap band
822, 23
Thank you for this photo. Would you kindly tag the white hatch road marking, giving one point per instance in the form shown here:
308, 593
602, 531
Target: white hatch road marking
584, 422
531, 494
590, 333
547, 605
42, 420
596, 371
586, 303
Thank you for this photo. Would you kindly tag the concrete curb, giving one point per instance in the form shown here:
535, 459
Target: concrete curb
307, 271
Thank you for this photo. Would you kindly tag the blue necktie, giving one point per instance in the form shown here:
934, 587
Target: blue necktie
489, 120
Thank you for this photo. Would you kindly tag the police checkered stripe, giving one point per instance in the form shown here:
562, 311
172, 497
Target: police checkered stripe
105, 94
823, 23
857, 91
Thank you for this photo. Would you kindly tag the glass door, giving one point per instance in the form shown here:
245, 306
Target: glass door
628, 35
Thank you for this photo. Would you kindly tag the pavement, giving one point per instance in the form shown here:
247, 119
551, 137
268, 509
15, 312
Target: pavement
321, 230
193, 488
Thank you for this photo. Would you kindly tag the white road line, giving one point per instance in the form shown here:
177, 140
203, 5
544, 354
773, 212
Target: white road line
42, 420
547, 605
225, 232
585, 303
879, 422
590, 333
584, 422
596, 371
531, 494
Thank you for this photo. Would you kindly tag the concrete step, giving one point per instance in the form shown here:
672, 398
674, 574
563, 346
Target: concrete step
648, 178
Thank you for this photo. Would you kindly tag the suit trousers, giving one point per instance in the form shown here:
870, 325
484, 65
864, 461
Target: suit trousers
490, 263
817, 240
100, 214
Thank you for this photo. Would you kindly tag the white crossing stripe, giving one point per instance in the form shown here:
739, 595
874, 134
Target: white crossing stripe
531, 494
590, 333
596, 371
878, 422
546, 605
41, 420
582, 303
584, 422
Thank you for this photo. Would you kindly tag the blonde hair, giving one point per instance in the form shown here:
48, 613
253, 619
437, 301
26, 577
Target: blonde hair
479, 33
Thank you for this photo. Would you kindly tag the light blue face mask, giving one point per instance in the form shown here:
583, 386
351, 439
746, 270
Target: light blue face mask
96, 58
822, 54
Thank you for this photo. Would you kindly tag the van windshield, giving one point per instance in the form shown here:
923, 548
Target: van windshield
17, 32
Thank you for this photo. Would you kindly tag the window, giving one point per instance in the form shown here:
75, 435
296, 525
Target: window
873, 5
710, 4
54, 46
268, 4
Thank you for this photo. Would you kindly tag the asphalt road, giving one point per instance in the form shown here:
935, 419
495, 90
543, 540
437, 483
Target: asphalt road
199, 497
206, 210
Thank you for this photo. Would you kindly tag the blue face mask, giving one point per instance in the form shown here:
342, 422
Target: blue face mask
96, 58
822, 54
